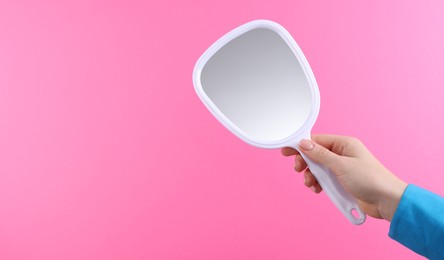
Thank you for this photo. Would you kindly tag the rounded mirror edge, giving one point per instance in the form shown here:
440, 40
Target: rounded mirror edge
304, 131
291, 141
286, 36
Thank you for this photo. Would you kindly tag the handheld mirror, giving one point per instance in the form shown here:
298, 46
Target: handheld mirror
256, 81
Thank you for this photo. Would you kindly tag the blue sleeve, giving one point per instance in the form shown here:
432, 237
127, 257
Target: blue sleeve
418, 222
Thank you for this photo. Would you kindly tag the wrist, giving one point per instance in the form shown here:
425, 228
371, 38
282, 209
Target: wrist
388, 202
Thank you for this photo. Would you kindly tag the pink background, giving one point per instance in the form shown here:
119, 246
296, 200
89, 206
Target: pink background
107, 153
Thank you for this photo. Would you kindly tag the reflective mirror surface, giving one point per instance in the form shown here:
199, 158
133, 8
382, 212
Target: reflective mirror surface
257, 82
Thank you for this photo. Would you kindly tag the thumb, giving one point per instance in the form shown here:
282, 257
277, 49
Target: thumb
318, 153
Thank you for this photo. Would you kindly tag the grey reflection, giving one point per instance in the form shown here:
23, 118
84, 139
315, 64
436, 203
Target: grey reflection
256, 82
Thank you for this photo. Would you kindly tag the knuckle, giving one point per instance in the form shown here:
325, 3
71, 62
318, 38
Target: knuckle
321, 152
353, 141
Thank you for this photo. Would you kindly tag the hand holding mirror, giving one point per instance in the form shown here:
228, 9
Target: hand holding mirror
256, 81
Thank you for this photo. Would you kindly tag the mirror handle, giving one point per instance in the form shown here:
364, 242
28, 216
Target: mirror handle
346, 203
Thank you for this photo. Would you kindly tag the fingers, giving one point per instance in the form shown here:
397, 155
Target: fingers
328, 140
309, 179
299, 166
341, 145
316, 188
334, 143
288, 151
299, 163
311, 182
319, 154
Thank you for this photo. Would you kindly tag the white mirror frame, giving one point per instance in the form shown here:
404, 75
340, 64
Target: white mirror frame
302, 132
346, 203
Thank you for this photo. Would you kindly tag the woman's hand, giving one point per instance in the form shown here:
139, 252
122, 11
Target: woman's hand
377, 190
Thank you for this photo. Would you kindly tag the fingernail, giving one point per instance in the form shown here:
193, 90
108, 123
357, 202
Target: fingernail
307, 145
313, 188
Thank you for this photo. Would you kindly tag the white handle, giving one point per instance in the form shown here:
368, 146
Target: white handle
334, 190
